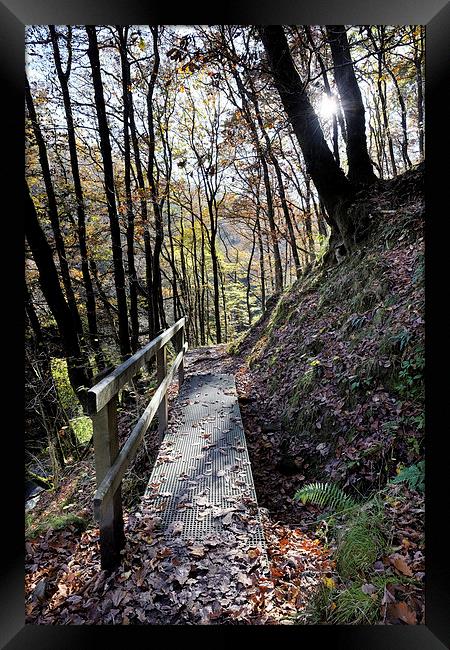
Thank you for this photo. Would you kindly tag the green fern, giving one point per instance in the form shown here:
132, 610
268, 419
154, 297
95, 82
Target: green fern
325, 494
414, 476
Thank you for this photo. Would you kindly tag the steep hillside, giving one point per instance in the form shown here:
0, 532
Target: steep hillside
334, 379
339, 358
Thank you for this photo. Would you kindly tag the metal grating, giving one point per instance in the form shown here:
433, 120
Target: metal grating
202, 481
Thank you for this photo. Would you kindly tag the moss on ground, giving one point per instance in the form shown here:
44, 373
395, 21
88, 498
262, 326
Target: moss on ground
52, 521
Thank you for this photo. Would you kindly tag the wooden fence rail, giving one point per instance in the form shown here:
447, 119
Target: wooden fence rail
112, 462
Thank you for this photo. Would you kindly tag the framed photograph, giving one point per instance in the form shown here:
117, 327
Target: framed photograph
227, 359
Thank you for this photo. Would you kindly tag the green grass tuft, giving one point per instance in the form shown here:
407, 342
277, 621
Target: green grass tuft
354, 607
362, 540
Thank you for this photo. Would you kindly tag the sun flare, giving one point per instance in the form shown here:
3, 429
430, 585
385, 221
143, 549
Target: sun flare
327, 107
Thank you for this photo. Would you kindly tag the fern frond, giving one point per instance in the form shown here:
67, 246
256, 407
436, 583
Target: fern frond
325, 494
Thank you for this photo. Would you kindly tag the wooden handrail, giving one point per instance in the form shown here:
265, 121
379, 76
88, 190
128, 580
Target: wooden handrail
101, 393
112, 463
113, 478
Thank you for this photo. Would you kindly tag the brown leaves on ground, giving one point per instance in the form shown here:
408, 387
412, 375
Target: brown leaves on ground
398, 561
164, 579
402, 612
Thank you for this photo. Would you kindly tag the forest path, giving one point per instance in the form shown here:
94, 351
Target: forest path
211, 562
202, 481
213, 359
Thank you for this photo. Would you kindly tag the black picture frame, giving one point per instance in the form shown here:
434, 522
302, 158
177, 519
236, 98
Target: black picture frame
14, 16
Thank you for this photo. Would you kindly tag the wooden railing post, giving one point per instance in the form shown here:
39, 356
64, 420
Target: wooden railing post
178, 344
181, 367
110, 462
161, 371
106, 445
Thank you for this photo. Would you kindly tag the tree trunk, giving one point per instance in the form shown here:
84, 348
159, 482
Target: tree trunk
326, 83
333, 187
53, 212
132, 276
418, 59
381, 85
144, 217
105, 146
176, 305
245, 110
249, 270
77, 363
284, 206
272, 226
261, 254
158, 312
401, 101
215, 269
308, 220
359, 164
81, 214
197, 281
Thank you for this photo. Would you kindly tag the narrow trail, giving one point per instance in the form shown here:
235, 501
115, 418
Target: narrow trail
275, 482
202, 480
165, 577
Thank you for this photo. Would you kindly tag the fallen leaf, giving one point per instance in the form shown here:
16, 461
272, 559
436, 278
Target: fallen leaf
403, 612
175, 527
387, 597
329, 582
243, 579
39, 590
202, 501
197, 551
228, 518
182, 574
399, 563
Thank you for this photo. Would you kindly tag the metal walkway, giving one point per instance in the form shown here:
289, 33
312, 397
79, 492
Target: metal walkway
202, 481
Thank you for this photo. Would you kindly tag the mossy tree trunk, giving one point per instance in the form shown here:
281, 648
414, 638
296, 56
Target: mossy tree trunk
77, 362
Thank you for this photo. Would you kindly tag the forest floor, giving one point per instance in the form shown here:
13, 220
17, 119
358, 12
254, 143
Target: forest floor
163, 579
330, 387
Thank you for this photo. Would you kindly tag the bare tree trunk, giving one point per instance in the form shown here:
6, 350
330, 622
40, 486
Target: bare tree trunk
326, 83
401, 101
359, 164
330, 181
224, 305
53, 213
249, 269
81, 215
145, 223
281, 191
381, 85
272, 226
158, 311
176, 305
262, 271
308, 220
122, 33
418, 61
119, 275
